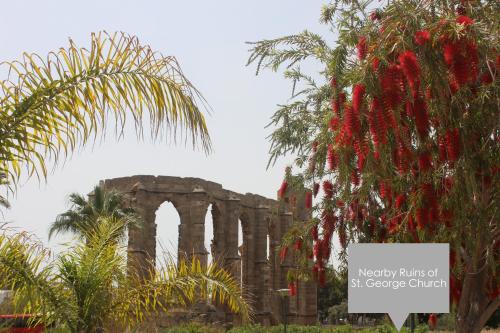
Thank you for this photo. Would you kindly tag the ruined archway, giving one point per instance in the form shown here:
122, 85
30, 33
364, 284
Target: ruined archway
263, 222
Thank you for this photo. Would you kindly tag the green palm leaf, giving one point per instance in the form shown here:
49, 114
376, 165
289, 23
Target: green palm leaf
48, 107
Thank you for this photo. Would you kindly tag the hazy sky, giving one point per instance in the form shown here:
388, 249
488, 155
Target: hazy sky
208, 38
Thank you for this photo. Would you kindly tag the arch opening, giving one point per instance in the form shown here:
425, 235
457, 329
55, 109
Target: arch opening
167, 221
210, 241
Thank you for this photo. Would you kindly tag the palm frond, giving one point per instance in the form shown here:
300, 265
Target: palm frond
50, 106
25, 269
182, 284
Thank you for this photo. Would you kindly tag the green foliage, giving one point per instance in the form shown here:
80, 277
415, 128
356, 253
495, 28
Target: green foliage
198, 328
85, 214
92, 281
48, 107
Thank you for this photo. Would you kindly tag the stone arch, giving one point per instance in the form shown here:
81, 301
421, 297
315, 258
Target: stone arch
260, 217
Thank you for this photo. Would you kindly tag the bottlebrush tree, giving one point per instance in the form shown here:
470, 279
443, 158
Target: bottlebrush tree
401, 143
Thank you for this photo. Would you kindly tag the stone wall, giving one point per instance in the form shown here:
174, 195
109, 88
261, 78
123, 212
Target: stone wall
260, 218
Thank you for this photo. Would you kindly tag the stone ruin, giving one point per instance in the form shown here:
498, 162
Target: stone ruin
260, 218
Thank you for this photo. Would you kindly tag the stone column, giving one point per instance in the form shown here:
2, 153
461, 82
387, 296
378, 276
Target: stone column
192, 210
261, 264
142, 240
230, 220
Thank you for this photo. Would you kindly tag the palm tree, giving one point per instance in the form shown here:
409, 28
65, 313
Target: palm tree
84, 215
49, 107
88, 288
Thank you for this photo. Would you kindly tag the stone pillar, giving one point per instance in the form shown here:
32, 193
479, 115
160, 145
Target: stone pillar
192, 210
142, 240
261, 264
230, 220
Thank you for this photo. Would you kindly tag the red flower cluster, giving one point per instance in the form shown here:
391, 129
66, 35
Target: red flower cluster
282, 190
331, 158
328, 189
462, 59
362, 48
411, 69
464, 20
283, 253
422, 37
391, 82
292, 288
308, 200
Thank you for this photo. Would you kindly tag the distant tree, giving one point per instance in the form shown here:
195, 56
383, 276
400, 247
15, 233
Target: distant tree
85, 214
402, 136
334, 292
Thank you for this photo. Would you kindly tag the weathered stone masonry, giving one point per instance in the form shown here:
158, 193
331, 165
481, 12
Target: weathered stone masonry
259, 216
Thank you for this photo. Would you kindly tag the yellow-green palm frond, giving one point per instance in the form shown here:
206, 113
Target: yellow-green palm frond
180, 285
48, 107
24, 268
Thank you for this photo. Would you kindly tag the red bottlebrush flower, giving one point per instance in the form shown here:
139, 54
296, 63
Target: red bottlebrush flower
411, 69
360, 154
338, 102
328, 189
326, 248
351, 121
333, 82
314, 232
392, 85
357, 98
362, 48
385, 191
486, 78
283, 253
375, 64
449, 52
464, 20
331, 158
298, 244
400, 200
328, 222
315, 189
422, 37
334, 123
424, 162
472, 56
317, 250
292, 288
462, 59
432, 321
308, 200
282, 190
453, 144
421, 117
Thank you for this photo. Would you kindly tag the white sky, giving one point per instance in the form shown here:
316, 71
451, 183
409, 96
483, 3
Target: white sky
208, 38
